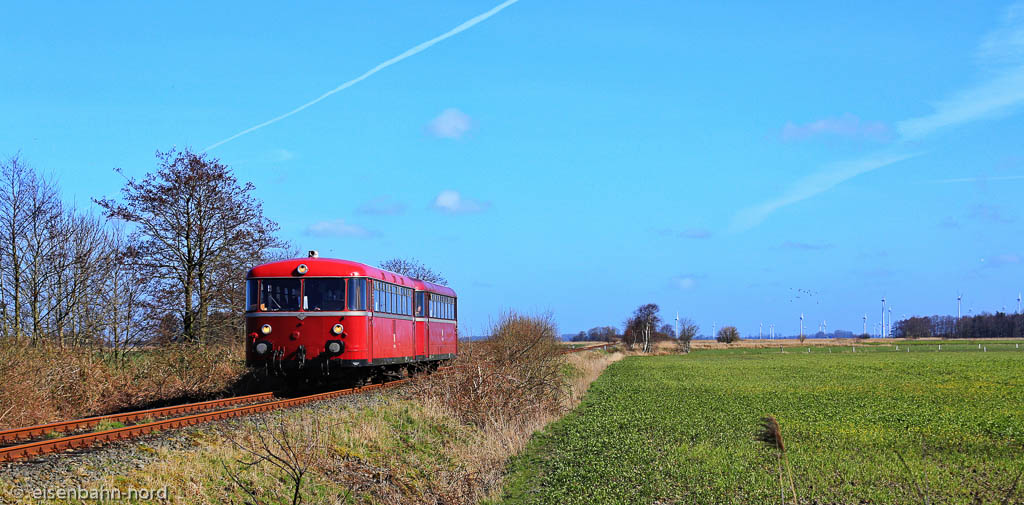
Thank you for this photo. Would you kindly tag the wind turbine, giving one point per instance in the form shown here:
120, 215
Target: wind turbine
1018, 302
801, 325
889, 328
760, 327
882, 330
865, 323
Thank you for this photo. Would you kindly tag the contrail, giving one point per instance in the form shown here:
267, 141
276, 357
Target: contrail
410, 52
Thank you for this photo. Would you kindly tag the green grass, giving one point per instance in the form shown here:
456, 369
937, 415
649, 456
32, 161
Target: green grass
679, 429
107, 424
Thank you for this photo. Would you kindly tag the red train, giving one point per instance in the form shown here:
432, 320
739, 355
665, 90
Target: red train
320, 315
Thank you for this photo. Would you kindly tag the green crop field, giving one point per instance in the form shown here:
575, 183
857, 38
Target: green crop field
680, 429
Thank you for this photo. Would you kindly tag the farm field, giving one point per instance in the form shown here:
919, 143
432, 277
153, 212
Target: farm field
680, 429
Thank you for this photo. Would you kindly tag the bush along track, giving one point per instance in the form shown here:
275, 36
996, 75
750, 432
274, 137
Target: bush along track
858, 428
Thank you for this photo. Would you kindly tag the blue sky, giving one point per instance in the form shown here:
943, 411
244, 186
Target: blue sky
582, 158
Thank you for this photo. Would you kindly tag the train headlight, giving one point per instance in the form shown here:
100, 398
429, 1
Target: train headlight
337, 329
265, 329
262, 347
302, 269
334, 347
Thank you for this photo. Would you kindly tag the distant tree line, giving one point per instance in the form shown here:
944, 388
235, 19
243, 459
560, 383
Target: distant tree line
598, 334
643, 329
165, 262
998, 325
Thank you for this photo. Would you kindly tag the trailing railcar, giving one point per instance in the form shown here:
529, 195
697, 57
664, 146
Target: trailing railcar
321, 316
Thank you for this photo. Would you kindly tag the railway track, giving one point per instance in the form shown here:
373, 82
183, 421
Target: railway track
46, 446
249, 404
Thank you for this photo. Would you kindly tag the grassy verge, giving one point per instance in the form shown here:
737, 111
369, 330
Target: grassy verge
680, 429
443, 439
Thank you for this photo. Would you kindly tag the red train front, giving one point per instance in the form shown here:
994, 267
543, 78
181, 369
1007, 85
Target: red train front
320, 315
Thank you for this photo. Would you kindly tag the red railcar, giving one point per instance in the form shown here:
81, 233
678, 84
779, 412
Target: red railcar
322, 315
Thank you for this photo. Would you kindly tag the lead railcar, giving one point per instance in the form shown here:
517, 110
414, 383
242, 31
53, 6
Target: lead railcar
322, 315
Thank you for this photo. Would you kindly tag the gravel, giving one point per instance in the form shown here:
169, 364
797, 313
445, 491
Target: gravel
79, 467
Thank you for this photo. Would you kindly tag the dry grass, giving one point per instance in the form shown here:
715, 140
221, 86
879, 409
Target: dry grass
424, 445
44, 384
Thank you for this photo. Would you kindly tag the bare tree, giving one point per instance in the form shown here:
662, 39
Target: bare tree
53, 261
42, 247
641, 326
196, 225
687, 330
18, 182
413, 268
85, 255
294, 449
130, 311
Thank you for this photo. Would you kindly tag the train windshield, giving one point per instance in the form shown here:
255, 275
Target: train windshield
279, 295
324, 294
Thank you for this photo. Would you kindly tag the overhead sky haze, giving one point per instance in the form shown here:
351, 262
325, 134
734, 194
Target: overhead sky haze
738, 163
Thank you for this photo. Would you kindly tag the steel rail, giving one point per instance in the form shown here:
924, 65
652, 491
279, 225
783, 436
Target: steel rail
41, 447
16, 434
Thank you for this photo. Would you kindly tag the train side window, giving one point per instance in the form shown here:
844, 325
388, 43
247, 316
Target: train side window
357, 294
252, 295
420, 309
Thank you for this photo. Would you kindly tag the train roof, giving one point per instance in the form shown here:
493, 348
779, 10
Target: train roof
330, 267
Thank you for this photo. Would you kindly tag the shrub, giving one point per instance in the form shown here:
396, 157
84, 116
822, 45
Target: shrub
515, 373
728, 334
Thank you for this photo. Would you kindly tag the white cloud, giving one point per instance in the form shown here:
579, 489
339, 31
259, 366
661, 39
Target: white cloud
685, 282
279, 155
848, 125
450, 124
983, 101
452, 202
1001, 53
336, 228
812, 185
